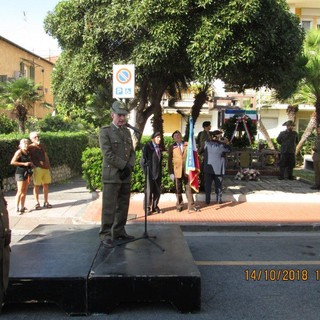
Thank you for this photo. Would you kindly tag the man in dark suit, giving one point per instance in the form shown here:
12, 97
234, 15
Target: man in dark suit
5, 239
118, 162
152, 161
288, 140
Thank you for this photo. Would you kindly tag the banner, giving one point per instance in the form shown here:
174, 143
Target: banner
192, 160
229, 113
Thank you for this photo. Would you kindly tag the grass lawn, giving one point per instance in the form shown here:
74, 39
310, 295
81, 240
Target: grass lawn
304, 174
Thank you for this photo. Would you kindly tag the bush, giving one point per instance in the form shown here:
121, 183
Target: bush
92, 166
7, 125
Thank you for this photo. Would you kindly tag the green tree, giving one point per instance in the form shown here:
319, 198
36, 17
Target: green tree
308, 91
246, 43
19, 96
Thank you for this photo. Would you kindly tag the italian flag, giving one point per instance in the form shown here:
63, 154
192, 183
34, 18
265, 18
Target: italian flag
192, 160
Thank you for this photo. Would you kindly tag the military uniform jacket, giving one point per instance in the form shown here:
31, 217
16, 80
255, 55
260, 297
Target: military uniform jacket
5, 239
204, 137
288, 141
177, 159
117, 151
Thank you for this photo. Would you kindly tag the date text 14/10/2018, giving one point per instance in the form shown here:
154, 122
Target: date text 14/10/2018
281, 275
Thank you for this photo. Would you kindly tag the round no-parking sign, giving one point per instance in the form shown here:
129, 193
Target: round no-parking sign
123, 81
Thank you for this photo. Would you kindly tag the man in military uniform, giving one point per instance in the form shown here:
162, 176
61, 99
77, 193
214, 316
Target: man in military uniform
118, 162
288, 140
5, 239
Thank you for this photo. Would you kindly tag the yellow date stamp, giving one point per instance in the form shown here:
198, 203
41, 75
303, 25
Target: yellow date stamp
279, 275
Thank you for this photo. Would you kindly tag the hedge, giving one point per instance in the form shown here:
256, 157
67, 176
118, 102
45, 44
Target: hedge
92, 165
64, 148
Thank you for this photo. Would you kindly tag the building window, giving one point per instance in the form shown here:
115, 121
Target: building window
306, 25
3, 78
31, 72
270, 123
302, 124
22, 69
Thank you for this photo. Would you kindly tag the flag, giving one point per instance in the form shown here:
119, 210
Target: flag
192, 160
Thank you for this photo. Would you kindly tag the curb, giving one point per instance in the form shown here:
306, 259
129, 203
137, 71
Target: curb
250, 228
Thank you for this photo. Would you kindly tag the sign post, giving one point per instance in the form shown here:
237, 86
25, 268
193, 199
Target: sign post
123, 81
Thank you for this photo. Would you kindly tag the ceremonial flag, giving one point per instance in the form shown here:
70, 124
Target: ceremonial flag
192, 160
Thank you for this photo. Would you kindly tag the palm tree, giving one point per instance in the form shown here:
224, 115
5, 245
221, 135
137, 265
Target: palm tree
265, 133
309, 89
19, 96
292, 112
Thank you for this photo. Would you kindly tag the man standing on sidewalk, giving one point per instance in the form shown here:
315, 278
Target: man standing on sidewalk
288, 140
151, 160
202, 138
215, 164
41, 172
118, 162
177, 170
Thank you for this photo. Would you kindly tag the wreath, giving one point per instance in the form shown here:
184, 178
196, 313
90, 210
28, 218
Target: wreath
240, 130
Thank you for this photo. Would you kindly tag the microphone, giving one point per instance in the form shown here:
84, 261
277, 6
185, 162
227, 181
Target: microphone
132, 127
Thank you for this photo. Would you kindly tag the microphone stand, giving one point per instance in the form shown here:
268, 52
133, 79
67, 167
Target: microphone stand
145, 234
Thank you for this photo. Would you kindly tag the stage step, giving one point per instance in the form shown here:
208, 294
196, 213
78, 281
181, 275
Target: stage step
66, 265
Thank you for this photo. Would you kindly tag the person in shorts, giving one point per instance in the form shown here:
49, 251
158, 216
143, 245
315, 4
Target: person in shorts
41, 172
22, 161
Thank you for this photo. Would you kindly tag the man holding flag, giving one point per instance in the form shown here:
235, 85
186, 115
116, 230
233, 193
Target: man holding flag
192, 161
177, 169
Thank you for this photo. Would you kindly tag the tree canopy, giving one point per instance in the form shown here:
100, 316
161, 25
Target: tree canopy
309, 87
246, 43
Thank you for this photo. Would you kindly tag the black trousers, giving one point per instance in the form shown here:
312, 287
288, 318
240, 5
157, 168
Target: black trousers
208, 179
154, 194
287, 161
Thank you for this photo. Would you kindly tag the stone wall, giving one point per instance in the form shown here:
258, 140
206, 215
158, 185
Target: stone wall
61, 173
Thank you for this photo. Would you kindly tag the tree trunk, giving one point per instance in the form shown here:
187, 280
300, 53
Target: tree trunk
146, 109
317, 105
21, 114
265, 133
292, 112
200, 99
311, 125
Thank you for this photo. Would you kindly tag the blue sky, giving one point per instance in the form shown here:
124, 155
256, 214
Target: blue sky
21, 21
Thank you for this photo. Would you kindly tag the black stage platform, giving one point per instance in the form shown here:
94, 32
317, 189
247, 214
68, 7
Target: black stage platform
66, 265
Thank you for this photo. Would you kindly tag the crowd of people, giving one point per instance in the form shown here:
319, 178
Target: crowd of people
31, 159
212, 148
118, 162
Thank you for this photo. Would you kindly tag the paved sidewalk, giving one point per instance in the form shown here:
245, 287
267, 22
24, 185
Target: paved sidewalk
252, 204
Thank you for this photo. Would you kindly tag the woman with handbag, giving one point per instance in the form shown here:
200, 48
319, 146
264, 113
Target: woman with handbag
22, 161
